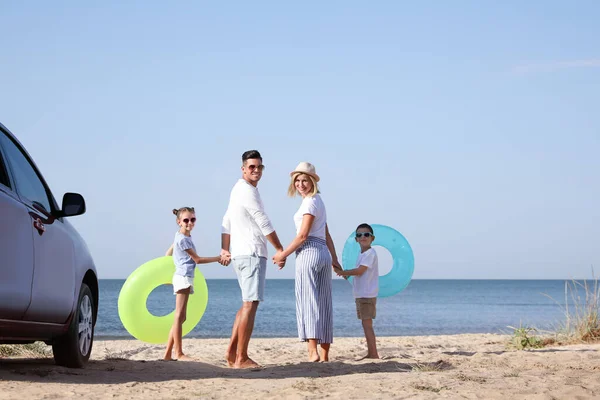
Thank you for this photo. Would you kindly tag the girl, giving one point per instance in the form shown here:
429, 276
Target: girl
185, 259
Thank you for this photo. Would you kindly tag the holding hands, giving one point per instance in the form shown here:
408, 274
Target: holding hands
225, 258
339, 271
279, 259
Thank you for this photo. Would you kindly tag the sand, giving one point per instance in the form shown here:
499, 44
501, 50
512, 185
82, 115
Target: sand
471, 366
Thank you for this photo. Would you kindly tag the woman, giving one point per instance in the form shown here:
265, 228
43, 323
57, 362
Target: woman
315, 256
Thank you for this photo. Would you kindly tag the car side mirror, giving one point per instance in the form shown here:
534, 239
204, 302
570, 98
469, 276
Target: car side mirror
72, 204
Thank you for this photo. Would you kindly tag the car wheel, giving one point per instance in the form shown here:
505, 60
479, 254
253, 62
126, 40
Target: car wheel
73, 349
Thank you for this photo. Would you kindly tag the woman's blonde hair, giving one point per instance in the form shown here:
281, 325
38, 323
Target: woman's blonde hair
292, 188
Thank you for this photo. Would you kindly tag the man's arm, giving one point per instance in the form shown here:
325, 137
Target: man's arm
225, 254
274, 240
254, 207
225, 239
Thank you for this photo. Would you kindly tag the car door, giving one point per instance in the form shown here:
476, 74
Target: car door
53, 285
16, 250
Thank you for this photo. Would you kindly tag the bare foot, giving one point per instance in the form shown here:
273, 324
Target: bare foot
230, 358
313, 356
368, 356
183, 357
247, 364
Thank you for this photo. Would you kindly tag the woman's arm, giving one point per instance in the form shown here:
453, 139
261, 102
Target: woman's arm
307, 222
331, 247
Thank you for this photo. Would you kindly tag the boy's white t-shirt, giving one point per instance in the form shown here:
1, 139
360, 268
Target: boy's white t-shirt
367, 284
312, 205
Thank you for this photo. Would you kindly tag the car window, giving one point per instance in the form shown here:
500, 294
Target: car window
3, 173
27, 181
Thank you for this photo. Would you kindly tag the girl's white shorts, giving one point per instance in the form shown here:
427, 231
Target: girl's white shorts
182, 282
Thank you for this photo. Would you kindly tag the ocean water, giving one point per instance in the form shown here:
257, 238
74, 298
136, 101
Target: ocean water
425, 307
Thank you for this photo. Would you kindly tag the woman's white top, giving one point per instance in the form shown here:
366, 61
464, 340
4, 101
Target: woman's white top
312, 205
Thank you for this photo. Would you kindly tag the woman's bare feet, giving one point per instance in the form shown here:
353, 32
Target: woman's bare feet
325, 352
313, 356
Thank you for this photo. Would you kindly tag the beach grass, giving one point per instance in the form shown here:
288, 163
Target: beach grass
34, 350
581, 312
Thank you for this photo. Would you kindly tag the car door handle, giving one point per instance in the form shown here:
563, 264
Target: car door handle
39, 225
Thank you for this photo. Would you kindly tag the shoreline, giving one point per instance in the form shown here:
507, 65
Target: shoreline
464, 365
104, 338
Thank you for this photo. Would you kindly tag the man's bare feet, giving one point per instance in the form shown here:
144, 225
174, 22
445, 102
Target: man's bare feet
183, 357
368, 356
246, 364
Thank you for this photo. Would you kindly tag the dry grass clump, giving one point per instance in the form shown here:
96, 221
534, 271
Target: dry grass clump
582, 322
36, 349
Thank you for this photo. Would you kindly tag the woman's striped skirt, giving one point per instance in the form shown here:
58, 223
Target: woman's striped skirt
314, 308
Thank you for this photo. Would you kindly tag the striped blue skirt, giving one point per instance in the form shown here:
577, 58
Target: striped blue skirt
314, 308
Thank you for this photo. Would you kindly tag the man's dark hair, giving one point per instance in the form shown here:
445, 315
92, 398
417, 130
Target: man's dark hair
366, 226
251, 154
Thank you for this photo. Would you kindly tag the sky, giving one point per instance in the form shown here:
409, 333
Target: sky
470, 127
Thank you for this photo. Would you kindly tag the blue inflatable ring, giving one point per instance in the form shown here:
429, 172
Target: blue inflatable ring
399, 277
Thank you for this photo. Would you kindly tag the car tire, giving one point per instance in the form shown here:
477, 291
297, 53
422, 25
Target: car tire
74, 348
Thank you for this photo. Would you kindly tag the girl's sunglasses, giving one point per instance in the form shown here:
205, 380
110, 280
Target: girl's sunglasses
188, 220
365, 234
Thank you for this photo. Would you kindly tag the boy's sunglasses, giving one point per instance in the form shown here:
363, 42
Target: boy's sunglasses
253, 167
187, 220
366, 234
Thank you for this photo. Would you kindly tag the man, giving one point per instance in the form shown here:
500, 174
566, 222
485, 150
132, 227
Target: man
246, 228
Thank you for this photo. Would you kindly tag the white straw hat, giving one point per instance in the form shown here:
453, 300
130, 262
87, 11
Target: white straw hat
306, 168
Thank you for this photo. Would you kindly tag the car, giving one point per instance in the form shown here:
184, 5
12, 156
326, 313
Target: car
48, 279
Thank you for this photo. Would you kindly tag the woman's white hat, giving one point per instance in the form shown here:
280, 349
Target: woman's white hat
306, 168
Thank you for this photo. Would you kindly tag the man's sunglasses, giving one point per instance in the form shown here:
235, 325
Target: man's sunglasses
253, 167
365, 234
187, 220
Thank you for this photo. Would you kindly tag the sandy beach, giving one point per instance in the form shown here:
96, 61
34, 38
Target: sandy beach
472, 366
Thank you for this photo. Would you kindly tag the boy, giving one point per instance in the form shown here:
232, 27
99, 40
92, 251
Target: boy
365, 284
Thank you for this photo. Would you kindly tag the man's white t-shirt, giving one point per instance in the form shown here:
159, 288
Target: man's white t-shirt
312, 205
246, 221
367, 284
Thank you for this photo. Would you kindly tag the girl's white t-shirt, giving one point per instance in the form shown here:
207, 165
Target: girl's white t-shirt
314, 206
367, 284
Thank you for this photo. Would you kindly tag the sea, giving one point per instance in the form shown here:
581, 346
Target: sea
424, 307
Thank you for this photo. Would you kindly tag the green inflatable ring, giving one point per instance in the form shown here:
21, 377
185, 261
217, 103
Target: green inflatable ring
134, 314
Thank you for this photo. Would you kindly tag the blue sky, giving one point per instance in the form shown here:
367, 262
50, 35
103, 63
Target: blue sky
470, 127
